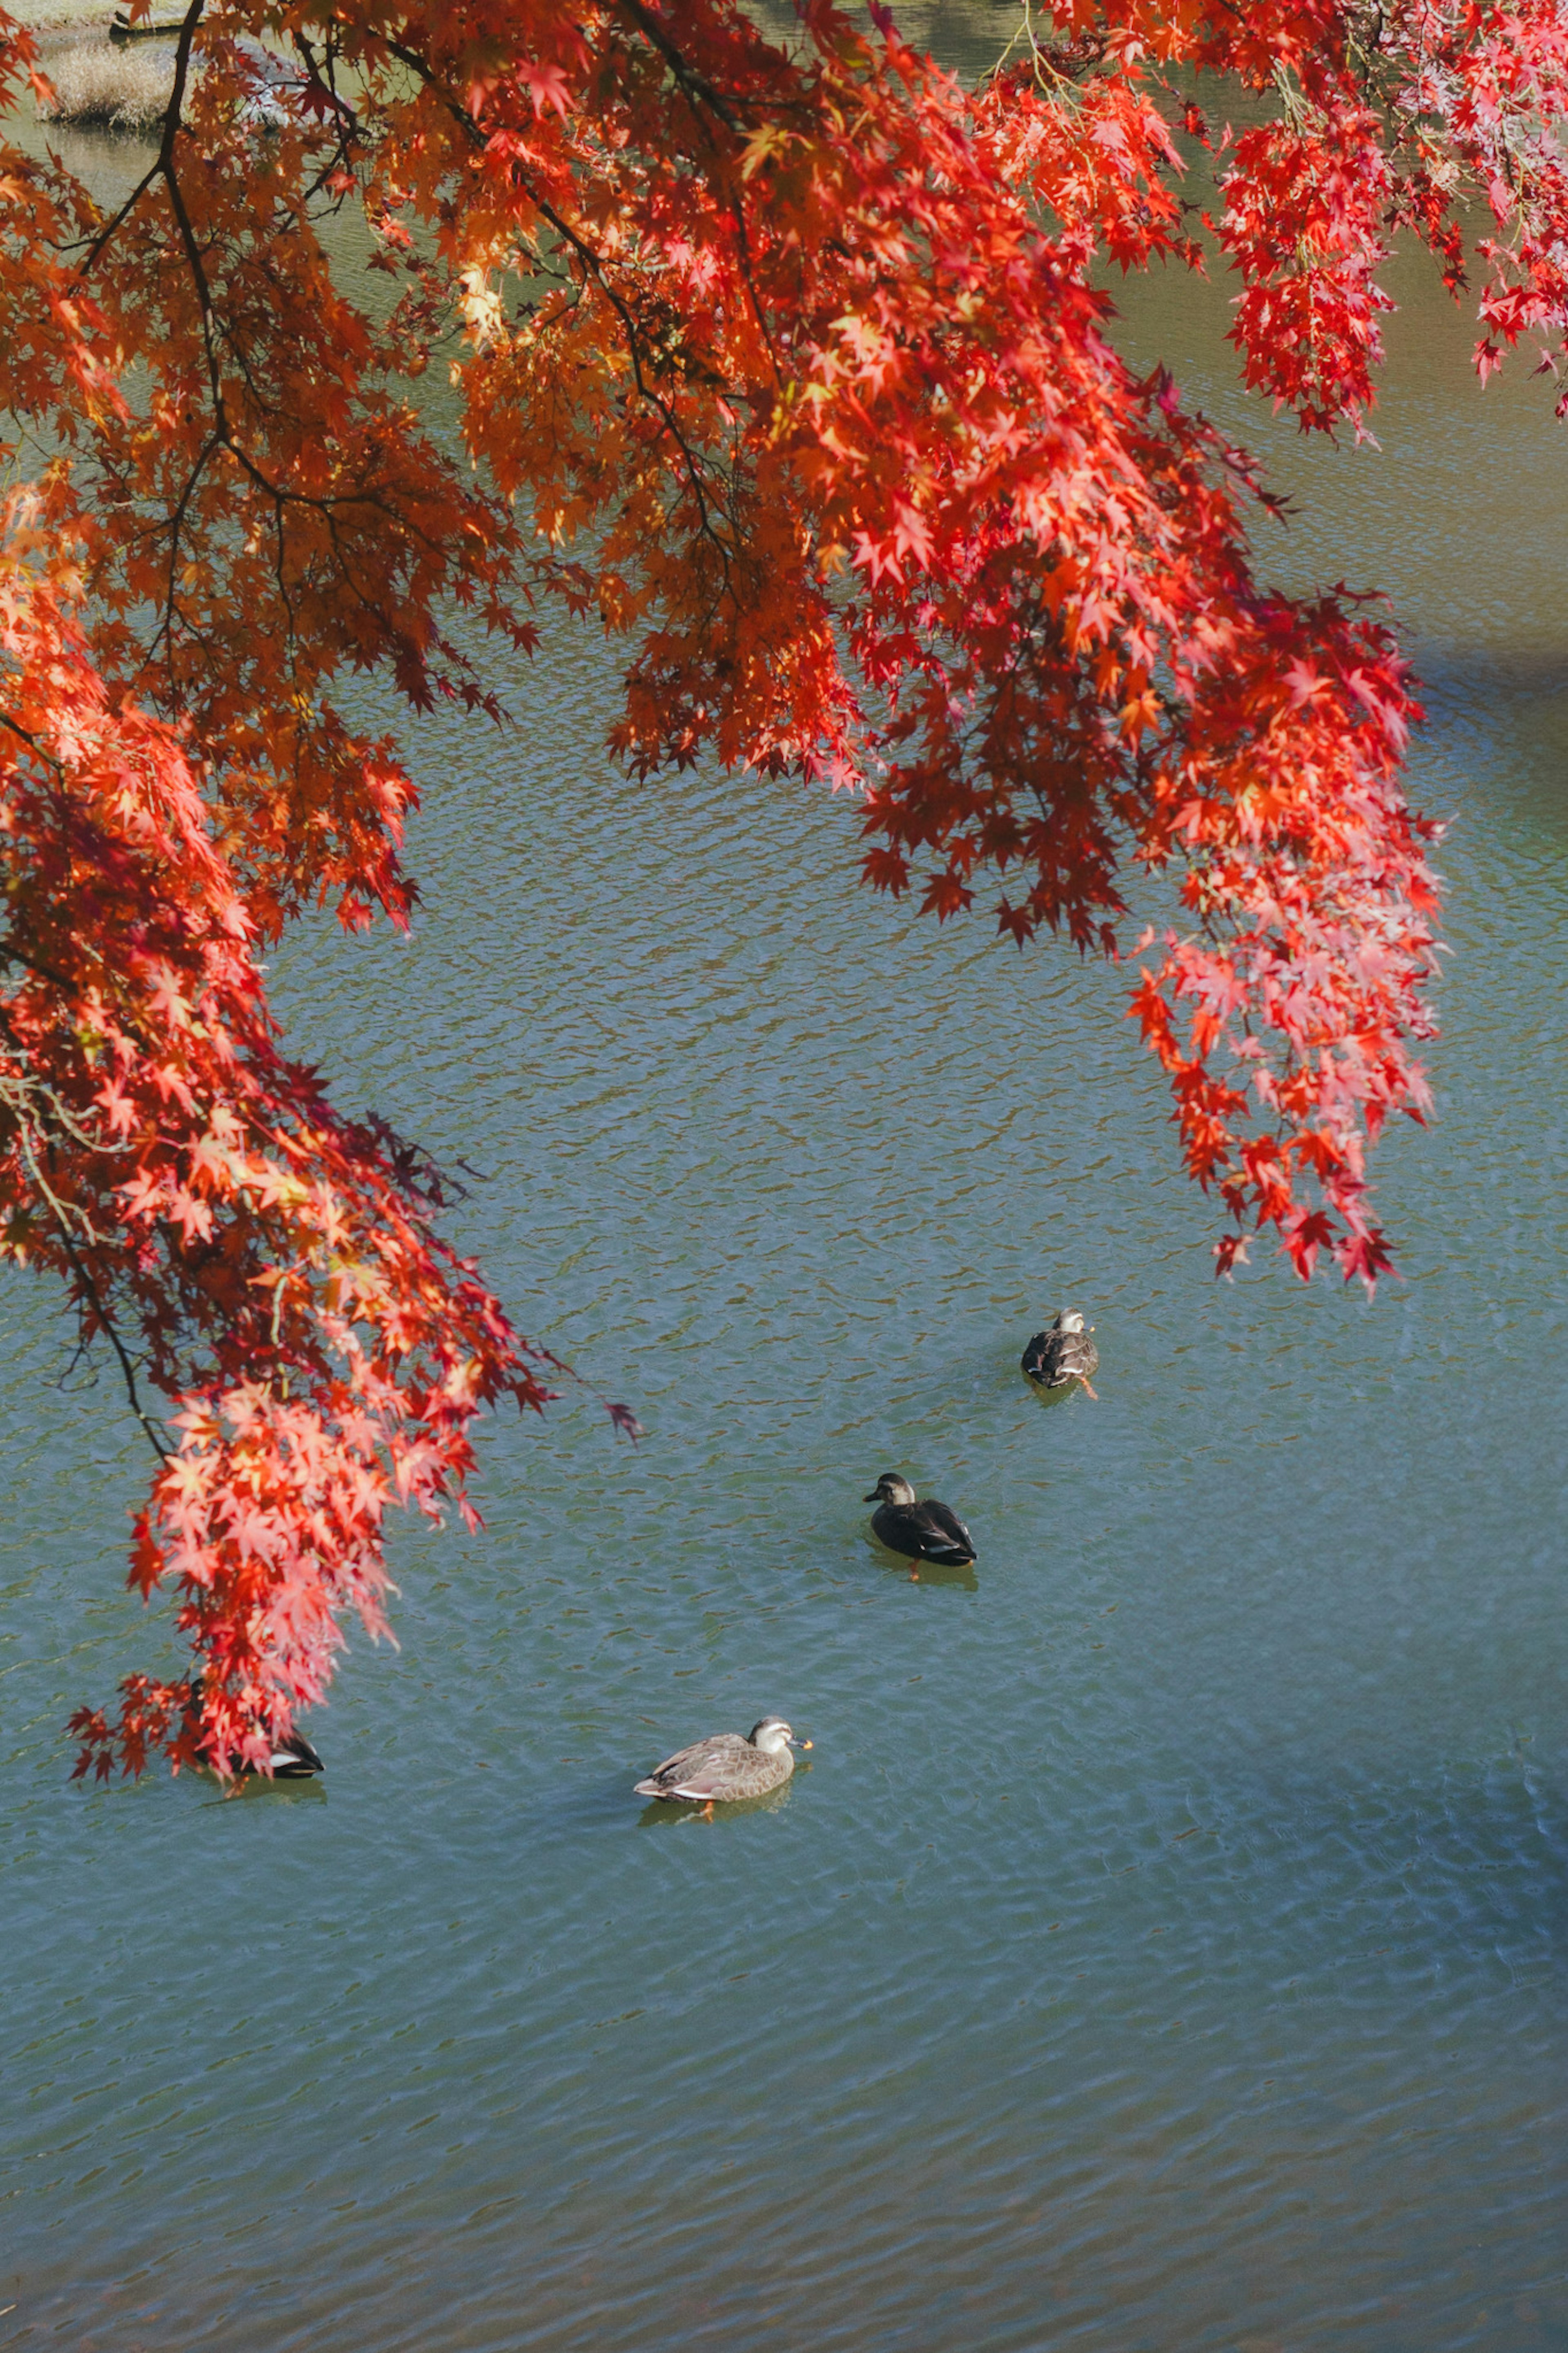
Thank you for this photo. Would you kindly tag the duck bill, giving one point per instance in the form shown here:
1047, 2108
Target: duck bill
873, 1497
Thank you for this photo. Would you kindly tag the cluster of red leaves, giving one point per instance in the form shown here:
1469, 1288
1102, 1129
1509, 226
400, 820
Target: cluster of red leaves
848, 390
194, 1187
1388, 118
787, 363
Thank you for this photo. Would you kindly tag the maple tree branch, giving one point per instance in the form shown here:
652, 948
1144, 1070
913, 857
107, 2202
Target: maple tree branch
343, 114
742, 240
160, 166
279, 573
24, 1098
31, 741
656, 400
594, 264
11, 953
24, 1094
127, 1369
693, 84
365, 598
174, 526
204, 291
91, 257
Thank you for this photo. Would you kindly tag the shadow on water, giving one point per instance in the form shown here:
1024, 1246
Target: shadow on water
1051, 1398
255, 1789
684, 1809
946, 1575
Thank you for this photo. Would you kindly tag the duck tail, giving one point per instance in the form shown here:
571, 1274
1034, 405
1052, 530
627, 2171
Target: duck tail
648, 1789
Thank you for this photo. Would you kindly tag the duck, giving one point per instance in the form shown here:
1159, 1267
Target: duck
927, 1531
292, 1758
1062, 1354
726, 1766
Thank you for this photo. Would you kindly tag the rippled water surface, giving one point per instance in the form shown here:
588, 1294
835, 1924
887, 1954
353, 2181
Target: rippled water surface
1164, 1950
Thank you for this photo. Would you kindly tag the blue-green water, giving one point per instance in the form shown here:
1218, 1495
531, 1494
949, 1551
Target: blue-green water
1165, 1951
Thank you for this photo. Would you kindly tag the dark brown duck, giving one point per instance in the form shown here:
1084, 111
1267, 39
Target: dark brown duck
927, 1531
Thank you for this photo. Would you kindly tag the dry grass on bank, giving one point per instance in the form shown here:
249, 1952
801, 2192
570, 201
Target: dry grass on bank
47, 17
101, 87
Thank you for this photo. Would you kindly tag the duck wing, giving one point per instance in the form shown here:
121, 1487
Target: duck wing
691, 1772
1042, 1358
293, 1758
1054, 1358
942, 1532
728, 1777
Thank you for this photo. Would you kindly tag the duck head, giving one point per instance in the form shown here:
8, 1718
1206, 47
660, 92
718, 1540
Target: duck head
891, 1488
773, 1736
1070, 1320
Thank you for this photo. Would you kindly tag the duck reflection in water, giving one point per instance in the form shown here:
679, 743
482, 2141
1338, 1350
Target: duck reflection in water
960, 1577
266, 1789
658, 1814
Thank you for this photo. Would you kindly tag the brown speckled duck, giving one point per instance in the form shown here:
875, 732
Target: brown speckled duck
1062, 1354
724, 1767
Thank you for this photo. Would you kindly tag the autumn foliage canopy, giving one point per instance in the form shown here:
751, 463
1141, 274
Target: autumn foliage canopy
787, 362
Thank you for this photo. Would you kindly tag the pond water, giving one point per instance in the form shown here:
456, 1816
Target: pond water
1165, 1949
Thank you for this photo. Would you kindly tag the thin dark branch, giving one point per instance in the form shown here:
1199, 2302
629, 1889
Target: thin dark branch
159, 169
594, 264
32, 742
11, 953
694, 84
175, 526
106, 1321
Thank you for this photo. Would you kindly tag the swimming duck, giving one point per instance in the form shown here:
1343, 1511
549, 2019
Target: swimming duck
292, 1757
927, 1531
1057, 1357
724, 1766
